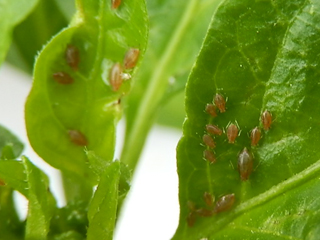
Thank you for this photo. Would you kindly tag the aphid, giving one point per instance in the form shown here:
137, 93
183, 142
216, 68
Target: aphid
191, 206
220, 102
232, 133
255, 136
2, 183
211, 109
208, 198
204, 212
208, 155
245, 164
191, 219
115, 76
62, 78
77, 138
207, 139
266, 119
213, 129
224, 203
115, 3
72, 57
131, 58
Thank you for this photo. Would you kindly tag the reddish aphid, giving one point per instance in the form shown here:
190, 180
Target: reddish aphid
245, 164
207, 139
220, 102
72, 57
266, 119
208, 198
115, 3
2, 183
255, 136
232, 133
211, 109
77, 138
131, 58
115, 77
224, 203
213, 129
209, 156
191, 219
204, 212
62, 78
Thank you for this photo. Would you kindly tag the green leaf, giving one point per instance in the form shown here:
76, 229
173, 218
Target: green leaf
10, 146
12, 173
10, 225
88, 106
260, 55
103, 207
11, 13
45, 21
41, 202
177, 31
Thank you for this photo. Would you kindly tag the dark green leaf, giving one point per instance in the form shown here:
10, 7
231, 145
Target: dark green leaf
11, 13
176, 32
10, 145
260, 55
103, 207
36, 30
88, 106
41, 203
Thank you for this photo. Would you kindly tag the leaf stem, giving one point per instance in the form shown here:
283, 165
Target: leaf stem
150, 100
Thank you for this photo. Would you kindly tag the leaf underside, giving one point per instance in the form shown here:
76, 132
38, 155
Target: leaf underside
88, 105
259, 55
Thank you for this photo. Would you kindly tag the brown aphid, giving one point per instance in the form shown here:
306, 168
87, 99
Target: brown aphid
115, 3
115, 76
224, 203
62, 78
220, 102
232, 133
191, 206
209, 156
245, 164
208, 198
266, 119
2, 183
191, 219
208, 140
204, 212
72, 57
211, 109
77, 138
213, 129
131, 58
255, 136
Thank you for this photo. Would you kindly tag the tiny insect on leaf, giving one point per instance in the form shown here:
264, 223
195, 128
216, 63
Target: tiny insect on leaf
77, 138
213, 129
232, 133
245, 164
224, 203
220, 102
115, 76
131, 58
72, 57
62, 78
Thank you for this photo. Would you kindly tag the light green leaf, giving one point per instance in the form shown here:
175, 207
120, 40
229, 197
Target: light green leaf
103, 207
41, 203
11, 13
260, 55
88, 106
10, 146
177, 29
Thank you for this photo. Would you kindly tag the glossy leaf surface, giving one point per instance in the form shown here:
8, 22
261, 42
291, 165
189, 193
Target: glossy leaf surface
11, 13
41, 202
259, 55
87, 106
175, 39
103, 207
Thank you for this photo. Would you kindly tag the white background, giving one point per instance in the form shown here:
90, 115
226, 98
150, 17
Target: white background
151, 210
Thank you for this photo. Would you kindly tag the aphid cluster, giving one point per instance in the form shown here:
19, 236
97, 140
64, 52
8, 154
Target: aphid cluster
245, 157
116, 74
224, 203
